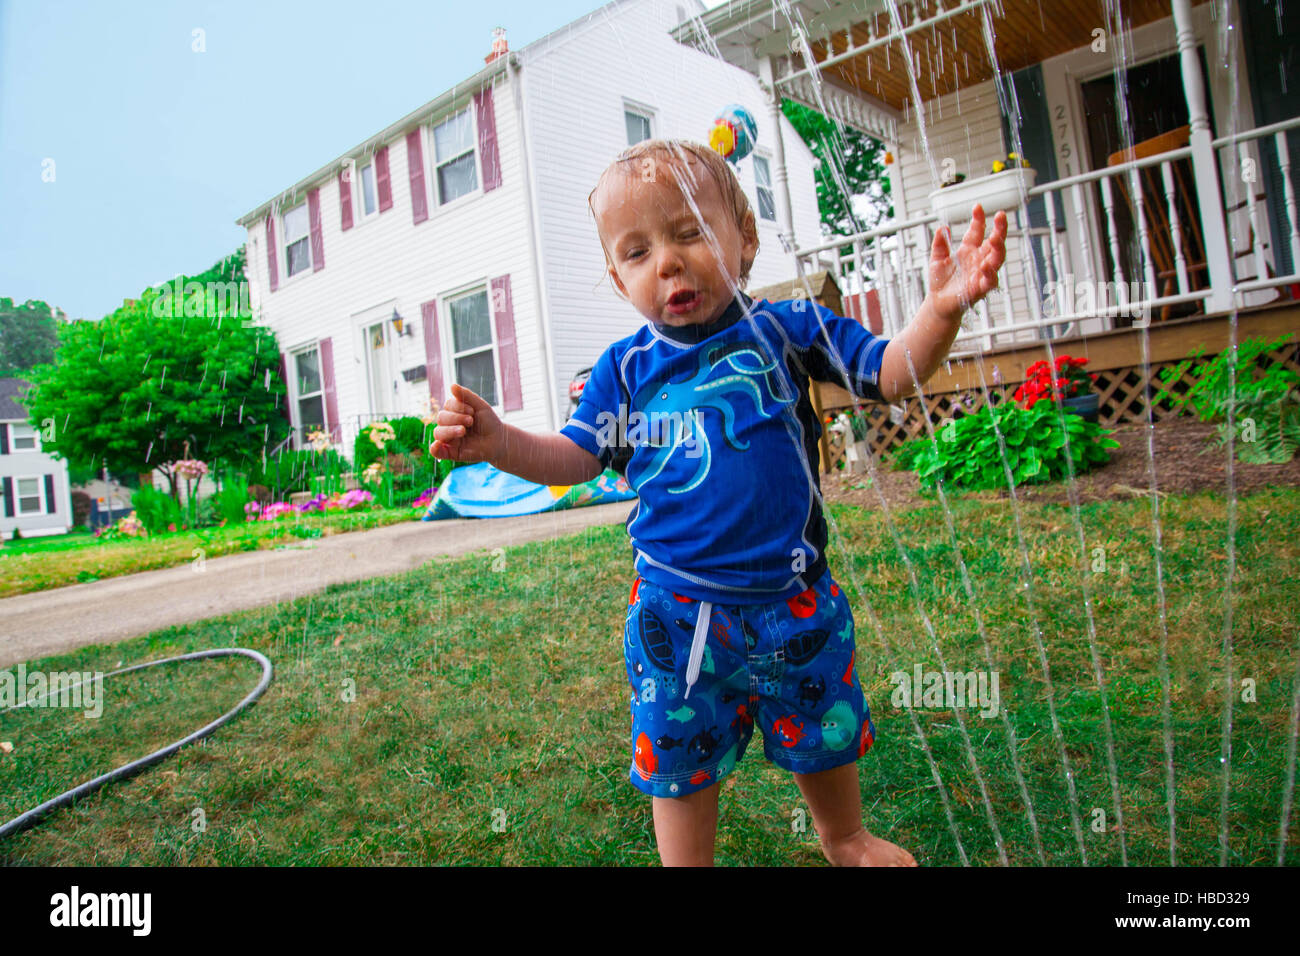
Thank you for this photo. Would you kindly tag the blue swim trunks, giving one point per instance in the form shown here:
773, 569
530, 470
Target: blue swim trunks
787, 666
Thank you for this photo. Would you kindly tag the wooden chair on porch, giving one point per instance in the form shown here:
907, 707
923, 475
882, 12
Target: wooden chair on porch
1160, 243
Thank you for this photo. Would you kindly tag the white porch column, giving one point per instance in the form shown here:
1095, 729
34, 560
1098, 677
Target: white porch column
1204, 166
780, 175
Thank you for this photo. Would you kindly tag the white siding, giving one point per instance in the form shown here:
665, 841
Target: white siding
575, 87
574, 84
387, 261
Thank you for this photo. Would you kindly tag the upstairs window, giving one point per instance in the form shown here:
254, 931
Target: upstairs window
297, 240
454, 160
366, 183
24, 438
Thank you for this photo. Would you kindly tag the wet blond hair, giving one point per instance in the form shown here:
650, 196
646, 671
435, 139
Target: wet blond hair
679, 152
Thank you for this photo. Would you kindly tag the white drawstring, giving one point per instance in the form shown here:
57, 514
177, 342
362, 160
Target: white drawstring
697, 646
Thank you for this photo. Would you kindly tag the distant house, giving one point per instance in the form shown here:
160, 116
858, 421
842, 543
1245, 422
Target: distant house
33, 485
456, 244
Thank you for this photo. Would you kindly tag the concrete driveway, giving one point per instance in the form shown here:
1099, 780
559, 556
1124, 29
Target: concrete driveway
101, 612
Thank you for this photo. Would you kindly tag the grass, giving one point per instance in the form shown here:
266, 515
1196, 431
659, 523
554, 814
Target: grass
55, 561
460, 715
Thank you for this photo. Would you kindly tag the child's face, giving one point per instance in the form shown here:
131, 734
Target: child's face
662, 260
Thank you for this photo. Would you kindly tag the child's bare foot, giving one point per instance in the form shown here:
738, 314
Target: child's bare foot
863, 849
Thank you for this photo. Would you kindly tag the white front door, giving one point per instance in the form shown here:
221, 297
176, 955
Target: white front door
380, 346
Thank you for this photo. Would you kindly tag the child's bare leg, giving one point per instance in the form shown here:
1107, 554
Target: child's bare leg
685, 827
836, 805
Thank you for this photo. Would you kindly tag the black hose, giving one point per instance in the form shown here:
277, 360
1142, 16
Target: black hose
29, 818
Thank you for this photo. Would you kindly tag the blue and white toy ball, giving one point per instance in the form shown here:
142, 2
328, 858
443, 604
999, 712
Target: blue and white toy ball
734, 133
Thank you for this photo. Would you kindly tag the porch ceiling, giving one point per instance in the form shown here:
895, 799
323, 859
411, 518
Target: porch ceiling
950, 54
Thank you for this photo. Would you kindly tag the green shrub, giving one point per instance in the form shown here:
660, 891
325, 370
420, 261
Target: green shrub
229, 502
1266, 410
409, 434
965, 454
409, 469
156, 509
292, 471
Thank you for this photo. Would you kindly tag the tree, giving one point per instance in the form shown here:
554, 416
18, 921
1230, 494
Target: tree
27, 335
851, 164
129, 392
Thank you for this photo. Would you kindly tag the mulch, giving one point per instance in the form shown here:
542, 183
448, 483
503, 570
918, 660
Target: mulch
1188, 459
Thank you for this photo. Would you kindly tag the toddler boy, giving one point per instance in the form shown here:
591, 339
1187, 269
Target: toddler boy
734, 618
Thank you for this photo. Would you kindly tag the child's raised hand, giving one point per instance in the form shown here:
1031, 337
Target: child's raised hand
959, 281
468, 429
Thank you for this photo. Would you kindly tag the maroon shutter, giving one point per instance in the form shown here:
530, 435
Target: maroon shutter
381, 177
345, 200
511, 390
415, 163
284, 375
331, 392
9, 497
487, 139
433, 350
271, 267
317, 233
50, 504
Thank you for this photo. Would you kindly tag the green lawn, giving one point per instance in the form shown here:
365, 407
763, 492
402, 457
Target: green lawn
54, 561
490, 718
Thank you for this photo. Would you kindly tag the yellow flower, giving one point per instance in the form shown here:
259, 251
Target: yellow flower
998, 165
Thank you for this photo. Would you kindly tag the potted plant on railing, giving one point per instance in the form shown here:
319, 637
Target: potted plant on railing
1001, 189
1068, 382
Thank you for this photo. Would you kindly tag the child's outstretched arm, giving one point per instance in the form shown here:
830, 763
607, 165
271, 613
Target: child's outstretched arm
956, 282
468, 430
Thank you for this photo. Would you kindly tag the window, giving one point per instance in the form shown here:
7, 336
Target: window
24, 438
297, 242
766, 199
29, 496
454, 161
638, 126
309, 392
369, 202
472, 353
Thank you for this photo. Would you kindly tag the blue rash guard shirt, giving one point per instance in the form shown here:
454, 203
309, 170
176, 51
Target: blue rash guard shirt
714, 429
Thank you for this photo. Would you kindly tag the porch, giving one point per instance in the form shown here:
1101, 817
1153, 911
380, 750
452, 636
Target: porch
1185, 218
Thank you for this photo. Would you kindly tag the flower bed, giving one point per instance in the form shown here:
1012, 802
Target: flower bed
348, 501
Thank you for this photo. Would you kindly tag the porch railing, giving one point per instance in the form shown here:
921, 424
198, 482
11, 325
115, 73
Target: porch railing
1079, 248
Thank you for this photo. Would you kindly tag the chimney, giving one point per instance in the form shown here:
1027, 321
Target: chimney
499, 47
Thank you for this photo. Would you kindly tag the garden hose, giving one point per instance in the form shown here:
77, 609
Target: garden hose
29, 818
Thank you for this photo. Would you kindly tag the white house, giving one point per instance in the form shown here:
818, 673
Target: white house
33, 485
456, 244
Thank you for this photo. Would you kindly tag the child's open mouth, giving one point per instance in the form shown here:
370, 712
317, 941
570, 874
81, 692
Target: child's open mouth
679, 303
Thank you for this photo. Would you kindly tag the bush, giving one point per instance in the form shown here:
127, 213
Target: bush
408, 468
409, 434
81, 505
229, 502
967, 454
1266, 409
156, 509
292, 471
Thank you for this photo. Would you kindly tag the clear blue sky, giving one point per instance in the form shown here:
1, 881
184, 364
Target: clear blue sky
157, 149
